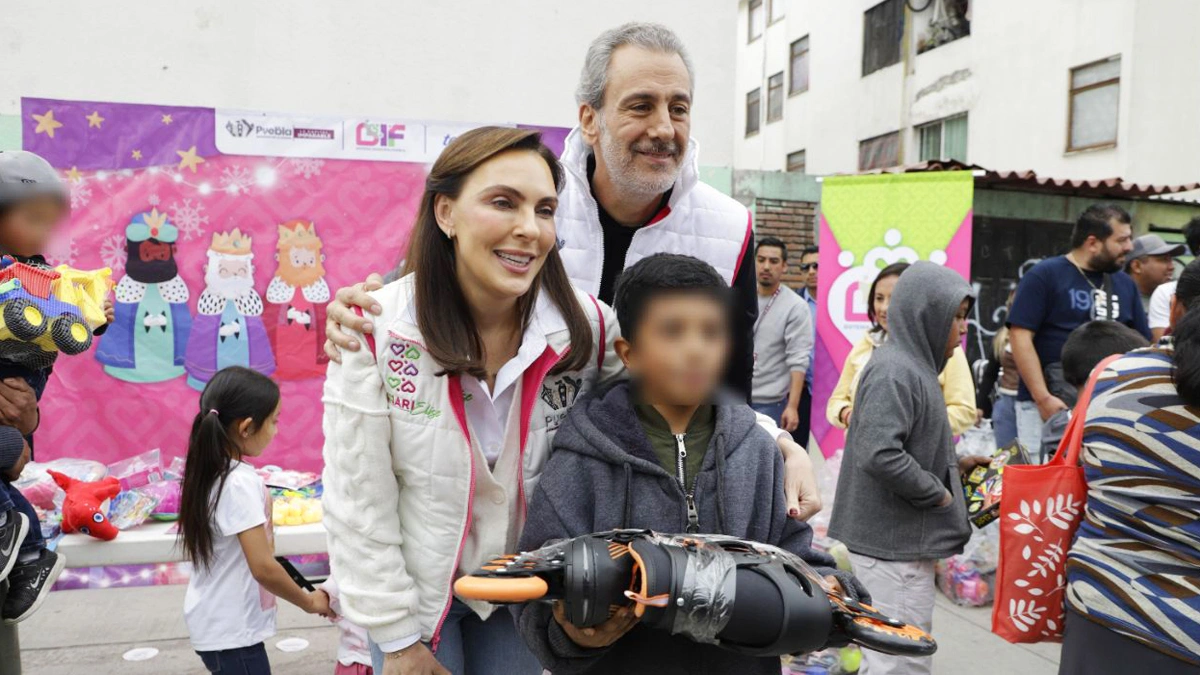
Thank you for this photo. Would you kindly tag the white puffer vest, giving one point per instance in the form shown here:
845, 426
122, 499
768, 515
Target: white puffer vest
401, 463
699, 221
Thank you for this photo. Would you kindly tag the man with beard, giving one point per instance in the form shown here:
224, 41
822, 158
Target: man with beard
632, 189
151, 324
1060, 294
296, 321
783, 339
229, 328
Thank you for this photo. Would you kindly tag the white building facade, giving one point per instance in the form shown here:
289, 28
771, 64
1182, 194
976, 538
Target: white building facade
1068, 88
466, 61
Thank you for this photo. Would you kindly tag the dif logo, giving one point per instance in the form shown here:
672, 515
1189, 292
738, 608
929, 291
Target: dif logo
375, 135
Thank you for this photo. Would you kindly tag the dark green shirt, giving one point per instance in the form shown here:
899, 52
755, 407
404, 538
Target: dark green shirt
695, 440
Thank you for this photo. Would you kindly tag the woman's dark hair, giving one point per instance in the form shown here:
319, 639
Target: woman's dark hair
232, 396
1186, 332
893, 270
442, 313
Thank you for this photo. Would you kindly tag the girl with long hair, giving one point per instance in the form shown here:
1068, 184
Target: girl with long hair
436, 433
958, 386
225, 527
1133, 565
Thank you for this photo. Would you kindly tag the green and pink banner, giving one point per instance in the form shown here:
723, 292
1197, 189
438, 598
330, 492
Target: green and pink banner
866, 224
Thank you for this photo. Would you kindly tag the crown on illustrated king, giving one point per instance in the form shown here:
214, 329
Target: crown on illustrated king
298, 233
151, 224
230, 243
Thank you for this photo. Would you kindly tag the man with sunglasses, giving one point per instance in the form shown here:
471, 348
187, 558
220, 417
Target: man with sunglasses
808, 267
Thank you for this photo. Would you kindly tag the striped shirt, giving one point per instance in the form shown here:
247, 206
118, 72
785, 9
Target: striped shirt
1135, 564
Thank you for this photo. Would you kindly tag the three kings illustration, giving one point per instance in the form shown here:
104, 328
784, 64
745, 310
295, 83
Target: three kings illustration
296, 299
228, 328
146, 340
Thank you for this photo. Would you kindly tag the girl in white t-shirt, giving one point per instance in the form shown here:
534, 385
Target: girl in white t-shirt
225, 526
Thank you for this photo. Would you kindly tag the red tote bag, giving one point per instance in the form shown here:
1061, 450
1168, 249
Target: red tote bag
1040, 509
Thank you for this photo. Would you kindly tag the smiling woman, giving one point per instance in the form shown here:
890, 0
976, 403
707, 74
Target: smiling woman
434, 436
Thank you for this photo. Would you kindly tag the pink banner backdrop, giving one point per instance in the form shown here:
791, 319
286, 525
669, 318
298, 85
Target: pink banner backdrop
140, 163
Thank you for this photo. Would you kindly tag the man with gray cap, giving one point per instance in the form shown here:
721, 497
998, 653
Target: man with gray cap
1152, 264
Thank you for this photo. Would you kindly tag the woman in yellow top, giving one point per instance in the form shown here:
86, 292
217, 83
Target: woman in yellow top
957, 385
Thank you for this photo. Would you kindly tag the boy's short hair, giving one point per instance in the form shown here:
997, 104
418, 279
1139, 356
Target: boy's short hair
1093, 342
661, 274
773, 241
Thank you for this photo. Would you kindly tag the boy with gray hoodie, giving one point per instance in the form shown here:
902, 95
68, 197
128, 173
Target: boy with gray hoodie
900, 504
657, 453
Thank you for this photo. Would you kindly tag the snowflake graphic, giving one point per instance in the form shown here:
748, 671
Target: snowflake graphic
112, 252
307, 167
153, 199
237, 177
80, 196
188, 218
62, 249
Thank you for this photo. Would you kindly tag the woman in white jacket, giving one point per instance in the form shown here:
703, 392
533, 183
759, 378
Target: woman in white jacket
435, 435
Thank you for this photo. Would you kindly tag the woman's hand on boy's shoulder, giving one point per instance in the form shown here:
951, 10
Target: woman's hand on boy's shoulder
597, 637
340, 312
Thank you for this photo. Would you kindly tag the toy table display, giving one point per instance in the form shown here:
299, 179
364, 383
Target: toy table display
154, 542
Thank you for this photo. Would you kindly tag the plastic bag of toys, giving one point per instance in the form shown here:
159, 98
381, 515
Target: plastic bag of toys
139, 470
41, 490
167, 494
969, 578
131, 508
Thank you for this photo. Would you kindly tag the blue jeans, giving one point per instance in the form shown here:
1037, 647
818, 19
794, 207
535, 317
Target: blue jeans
772, 410
250, 660
1029, 426
11, 498
1004, 420
471, 646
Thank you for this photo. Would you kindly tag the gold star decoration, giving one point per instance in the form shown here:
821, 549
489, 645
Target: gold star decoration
166, 119
94, 120
74, 176
189, 159
136, 154
46, 123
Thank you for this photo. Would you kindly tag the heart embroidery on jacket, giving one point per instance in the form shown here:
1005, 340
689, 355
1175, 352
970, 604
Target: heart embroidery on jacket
393, 381
397, 348
408, 387
411, 370
395, 364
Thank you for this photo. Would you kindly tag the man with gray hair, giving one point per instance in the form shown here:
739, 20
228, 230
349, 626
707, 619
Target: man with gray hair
632, 189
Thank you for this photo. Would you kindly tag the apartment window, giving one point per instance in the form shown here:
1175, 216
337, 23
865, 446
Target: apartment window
879, 152
758, 17
777, 9
1095, 94
944, 139
753, 112
775, 97
799, 81
796, 162
883, 26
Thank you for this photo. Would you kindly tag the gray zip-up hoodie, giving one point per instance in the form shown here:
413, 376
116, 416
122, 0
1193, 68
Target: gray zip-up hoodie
603, 474
899, 457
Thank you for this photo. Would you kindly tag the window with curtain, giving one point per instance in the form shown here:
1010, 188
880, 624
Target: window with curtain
775, 97
943, 139
797, 162
758, 20
883, 28
879, 152
799, 81
753, 111
1095, 97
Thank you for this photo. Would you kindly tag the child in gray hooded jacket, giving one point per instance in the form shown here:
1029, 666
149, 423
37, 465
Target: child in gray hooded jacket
657, 453
900, 504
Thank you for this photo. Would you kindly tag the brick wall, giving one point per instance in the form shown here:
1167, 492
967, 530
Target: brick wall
791, 221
